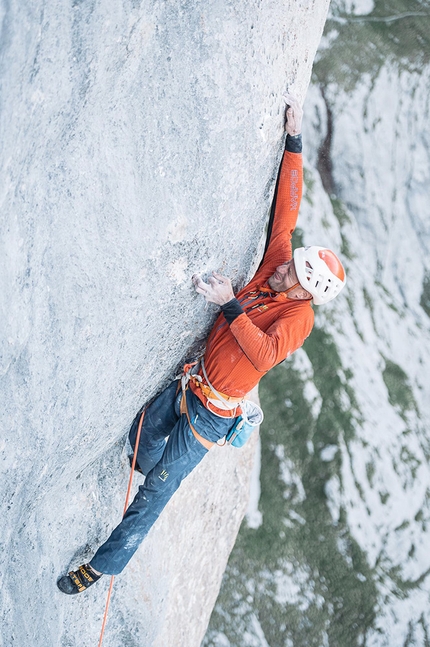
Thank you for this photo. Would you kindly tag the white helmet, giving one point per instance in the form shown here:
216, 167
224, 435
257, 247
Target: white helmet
320, 272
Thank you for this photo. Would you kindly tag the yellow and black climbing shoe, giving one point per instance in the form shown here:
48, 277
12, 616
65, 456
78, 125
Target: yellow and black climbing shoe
78, 581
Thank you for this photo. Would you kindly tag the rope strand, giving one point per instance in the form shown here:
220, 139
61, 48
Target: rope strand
130, 482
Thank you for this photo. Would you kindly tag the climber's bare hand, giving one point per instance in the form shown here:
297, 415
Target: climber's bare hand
217, 290
293, 115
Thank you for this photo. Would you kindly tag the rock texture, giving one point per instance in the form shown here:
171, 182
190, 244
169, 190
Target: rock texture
140, 143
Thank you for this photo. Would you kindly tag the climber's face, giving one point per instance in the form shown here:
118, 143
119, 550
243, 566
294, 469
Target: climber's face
285, 279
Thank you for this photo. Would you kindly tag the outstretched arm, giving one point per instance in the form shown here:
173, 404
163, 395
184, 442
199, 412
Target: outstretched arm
283, 219
288, 191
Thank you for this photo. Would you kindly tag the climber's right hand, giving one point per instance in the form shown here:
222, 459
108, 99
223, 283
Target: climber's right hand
293, 115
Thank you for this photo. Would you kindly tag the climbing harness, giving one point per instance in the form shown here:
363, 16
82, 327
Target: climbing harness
230, 403
211, 396
248, 417
130, 481
251, 416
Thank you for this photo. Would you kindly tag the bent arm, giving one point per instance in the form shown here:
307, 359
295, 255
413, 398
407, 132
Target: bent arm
265, 349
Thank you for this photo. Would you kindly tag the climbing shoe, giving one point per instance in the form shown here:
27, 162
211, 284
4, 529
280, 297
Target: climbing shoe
78, 581
136, 467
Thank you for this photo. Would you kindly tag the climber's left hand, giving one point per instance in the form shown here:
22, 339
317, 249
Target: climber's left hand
218, 289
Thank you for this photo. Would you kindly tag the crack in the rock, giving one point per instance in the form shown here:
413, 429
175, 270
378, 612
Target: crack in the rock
324, 164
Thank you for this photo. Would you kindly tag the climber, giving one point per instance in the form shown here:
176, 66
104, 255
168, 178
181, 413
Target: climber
257, 328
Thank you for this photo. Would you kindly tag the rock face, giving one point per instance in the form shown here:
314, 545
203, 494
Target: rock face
140, 143
341, 556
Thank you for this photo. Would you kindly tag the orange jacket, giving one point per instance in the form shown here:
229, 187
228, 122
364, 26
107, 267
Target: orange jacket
271, 326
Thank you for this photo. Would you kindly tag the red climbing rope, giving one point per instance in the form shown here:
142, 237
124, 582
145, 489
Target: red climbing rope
130, 482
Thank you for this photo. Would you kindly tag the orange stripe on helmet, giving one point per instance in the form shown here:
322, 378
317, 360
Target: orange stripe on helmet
333, 263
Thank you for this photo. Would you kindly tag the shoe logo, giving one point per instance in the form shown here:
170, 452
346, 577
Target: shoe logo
163, 476
86, 574
75, 579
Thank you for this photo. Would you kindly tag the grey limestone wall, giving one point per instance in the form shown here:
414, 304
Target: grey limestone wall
139, 144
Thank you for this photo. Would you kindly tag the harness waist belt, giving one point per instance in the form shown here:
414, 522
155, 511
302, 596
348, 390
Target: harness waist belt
210, 395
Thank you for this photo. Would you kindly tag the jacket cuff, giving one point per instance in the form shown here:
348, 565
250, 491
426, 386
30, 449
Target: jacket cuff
293, 143
231, 310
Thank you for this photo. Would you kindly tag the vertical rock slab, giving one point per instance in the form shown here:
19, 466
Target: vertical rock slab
140, 143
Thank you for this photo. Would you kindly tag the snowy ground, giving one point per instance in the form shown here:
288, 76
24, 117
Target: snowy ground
336, 551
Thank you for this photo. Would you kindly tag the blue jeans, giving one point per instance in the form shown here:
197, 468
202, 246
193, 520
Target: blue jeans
165, 464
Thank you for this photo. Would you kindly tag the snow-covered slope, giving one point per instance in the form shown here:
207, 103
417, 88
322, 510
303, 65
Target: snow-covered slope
341, 556
140, 142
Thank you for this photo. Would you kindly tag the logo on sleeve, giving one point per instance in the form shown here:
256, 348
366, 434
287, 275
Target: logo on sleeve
294, 190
